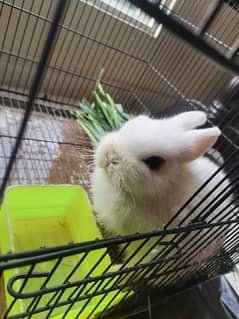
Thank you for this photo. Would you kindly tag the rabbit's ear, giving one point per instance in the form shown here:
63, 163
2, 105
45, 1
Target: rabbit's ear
196, 142
190, 120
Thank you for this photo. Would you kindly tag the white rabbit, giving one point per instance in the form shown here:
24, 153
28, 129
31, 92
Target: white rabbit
148, 169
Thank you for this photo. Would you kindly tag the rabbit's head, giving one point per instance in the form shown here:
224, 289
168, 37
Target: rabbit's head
146, 153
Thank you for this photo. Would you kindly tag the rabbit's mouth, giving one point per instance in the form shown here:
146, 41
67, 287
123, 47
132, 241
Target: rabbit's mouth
111, 160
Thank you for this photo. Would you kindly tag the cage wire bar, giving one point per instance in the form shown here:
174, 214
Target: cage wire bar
33, 93
194, 39
153, 73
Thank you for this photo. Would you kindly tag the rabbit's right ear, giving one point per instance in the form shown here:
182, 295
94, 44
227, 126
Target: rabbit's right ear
190, 120
196, 142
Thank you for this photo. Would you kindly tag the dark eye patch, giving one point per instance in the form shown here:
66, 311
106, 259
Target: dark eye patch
154, 162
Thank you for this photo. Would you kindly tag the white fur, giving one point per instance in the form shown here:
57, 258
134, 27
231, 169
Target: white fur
129, 197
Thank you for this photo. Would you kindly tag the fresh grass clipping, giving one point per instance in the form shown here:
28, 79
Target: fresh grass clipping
100, 116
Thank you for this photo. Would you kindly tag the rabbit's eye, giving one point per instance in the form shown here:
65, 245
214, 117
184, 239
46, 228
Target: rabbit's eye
154, 162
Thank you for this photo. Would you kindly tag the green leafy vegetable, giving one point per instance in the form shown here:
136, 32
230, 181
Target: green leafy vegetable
102, 115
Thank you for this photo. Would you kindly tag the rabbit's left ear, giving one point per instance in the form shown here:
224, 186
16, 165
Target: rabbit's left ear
195, 143
190, 120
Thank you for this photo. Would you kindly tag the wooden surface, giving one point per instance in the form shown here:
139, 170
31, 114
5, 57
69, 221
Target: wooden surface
42, 157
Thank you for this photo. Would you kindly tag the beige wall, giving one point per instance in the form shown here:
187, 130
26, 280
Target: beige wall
132, 59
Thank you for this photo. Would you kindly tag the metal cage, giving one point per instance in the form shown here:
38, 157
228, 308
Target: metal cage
158, 57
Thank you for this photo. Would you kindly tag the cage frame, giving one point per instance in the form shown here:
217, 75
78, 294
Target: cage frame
13, 260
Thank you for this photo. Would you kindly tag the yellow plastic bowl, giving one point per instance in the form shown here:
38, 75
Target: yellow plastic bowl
35, 216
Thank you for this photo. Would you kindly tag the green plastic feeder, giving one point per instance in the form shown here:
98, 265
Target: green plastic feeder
35, 216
